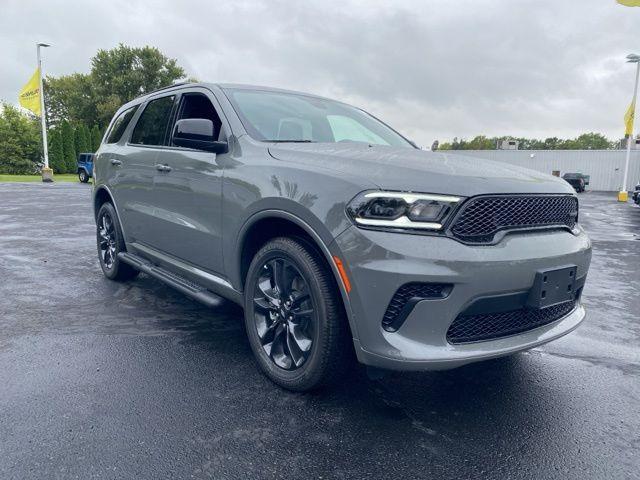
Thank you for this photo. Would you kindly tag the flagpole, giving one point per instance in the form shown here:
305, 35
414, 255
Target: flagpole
47, 173
623, 194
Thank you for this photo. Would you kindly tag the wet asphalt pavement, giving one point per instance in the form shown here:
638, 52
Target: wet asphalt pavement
107, 380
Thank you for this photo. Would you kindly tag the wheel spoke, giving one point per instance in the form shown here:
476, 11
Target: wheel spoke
278, 350
299, 298
266, 329
262, 304
297, 355
277, 275
301, 339
300, 314
267, 291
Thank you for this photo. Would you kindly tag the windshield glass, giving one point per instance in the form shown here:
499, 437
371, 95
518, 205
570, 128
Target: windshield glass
289, 117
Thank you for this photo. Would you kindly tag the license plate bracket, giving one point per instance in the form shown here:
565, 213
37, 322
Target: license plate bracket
552, 287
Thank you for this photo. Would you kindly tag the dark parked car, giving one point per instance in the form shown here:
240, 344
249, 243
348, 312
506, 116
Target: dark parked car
577, 180
636, 194
335, 233
85, 166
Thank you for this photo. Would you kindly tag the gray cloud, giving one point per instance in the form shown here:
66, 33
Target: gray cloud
433, 69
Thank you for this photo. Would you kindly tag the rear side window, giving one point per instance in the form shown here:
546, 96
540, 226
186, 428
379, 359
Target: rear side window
120, 125
152, 125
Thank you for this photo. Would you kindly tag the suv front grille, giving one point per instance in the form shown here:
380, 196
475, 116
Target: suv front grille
487, 326
481, 218
405, 299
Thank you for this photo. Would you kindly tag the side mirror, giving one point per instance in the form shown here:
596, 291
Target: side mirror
197, 133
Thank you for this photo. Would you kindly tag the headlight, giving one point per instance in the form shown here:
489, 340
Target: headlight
402, 210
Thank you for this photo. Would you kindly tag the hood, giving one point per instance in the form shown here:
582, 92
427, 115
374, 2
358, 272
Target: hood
405, 169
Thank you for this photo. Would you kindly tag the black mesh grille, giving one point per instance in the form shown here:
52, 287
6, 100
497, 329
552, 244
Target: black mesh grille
485, 326
407, 292
482, 217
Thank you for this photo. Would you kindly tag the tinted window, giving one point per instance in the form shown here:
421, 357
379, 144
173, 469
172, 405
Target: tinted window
283, 117
152, 125
120, 125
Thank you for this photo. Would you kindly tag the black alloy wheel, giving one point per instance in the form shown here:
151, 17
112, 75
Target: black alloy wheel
107, 240
110, 242
294, 316
284, 313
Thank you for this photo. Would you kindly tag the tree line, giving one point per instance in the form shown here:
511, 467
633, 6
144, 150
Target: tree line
586, 141
80, 106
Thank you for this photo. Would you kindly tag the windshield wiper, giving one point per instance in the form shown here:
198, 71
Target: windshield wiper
290, 141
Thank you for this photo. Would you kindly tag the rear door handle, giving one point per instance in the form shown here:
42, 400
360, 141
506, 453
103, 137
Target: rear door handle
163, 168
115, 162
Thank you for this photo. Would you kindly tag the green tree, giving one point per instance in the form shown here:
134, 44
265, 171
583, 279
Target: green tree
20, 142
96, 138
116, 77
71, 98
86, 138
56, 155
68, 147
481, 143
589, 141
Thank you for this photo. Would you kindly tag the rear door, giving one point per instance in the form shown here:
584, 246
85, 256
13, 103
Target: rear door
188, 190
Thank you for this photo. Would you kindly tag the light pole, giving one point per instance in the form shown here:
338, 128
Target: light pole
622, 194
47, 173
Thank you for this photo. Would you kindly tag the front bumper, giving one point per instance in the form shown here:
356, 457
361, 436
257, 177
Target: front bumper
378, 263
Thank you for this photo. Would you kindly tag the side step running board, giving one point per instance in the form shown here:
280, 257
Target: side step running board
181, 284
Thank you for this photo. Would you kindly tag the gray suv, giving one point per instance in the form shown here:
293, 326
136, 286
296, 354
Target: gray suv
335, 233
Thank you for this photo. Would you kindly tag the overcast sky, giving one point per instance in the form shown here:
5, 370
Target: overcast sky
431, 68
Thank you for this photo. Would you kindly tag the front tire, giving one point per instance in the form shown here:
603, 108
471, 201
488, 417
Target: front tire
294, 316
110, 242
83, 177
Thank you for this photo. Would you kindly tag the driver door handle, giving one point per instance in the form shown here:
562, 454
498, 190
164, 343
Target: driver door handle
163, 168
116, 162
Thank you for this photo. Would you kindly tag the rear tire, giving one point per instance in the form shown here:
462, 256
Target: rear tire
83, 177
110, 242
294, 316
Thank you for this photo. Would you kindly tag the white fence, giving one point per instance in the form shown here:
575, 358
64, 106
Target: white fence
606, 167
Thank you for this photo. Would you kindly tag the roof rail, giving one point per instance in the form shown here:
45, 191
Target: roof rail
167, 87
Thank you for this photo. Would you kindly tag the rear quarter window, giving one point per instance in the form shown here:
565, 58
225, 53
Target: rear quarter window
120, 125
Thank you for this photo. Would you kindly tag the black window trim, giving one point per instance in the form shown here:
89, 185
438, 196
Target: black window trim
178, 92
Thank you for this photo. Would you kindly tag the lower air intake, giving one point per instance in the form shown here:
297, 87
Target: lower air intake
489, 326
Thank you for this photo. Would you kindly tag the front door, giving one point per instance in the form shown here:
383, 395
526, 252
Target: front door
188, 193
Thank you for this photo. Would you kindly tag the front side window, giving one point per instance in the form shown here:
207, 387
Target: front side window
120, 125
197, 105
152, 125
289, 117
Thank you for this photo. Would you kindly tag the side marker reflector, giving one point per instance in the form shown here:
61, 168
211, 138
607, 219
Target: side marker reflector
343, 273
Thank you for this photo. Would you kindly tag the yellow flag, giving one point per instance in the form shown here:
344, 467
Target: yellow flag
629, 3
29, 96
628, 118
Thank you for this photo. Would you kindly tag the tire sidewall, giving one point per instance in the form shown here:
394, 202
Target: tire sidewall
311, 370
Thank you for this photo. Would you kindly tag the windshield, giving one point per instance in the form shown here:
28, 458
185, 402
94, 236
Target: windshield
288, 117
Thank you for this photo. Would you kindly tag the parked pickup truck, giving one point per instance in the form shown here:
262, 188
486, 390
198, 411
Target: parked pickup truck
85, 166
578, 181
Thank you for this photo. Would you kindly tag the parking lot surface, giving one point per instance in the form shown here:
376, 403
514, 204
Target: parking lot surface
107, 380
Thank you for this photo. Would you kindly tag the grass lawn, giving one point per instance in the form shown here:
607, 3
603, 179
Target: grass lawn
67, 177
